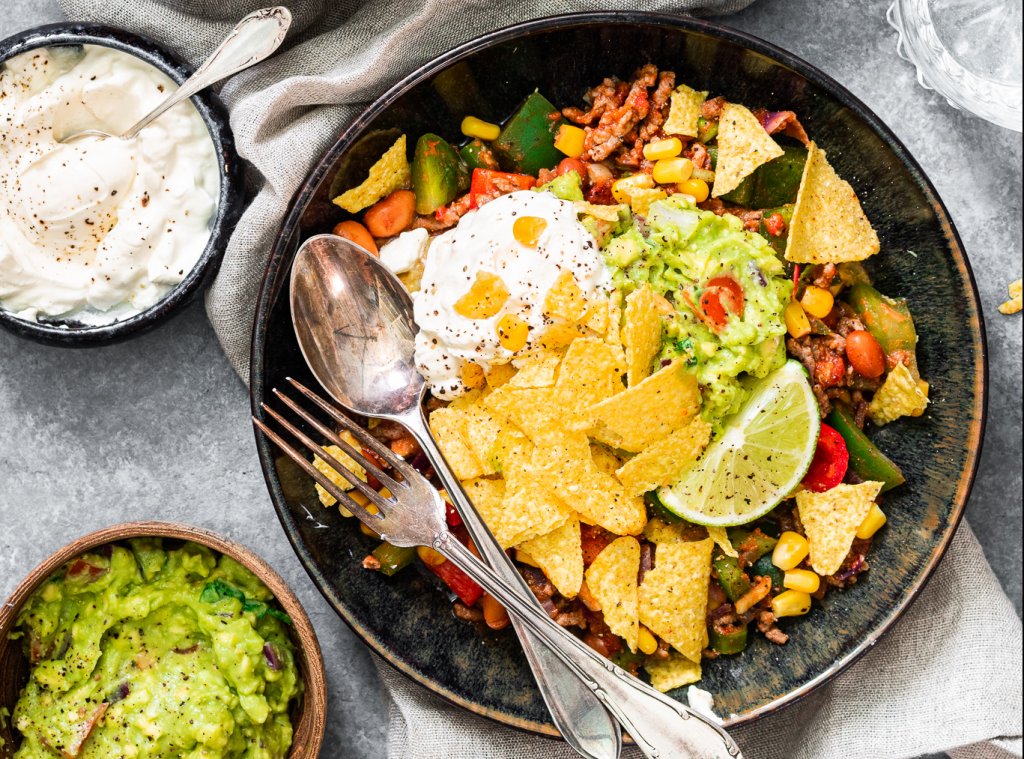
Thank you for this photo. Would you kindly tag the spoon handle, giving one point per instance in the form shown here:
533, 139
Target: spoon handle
577, 712
252, 40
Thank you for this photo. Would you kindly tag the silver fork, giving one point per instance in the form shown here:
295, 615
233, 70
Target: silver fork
414, 515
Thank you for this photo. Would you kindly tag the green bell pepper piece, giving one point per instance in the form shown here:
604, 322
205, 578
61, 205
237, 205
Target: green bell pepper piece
730, 641
731, 577
435, 173
527, 140
752, 544
706, 130
763, 567
778, 243
888, 320
393, 559
477, 155
771, 184
866, 461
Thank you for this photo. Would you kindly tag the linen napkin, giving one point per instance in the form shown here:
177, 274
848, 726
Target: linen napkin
947, 678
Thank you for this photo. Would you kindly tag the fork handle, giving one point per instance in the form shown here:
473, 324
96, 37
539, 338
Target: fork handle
662, 728
578, 714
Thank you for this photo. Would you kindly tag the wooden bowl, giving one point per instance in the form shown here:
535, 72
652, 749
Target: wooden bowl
308, 716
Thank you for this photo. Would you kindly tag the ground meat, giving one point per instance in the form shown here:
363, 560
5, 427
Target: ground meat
538, 583
646, 561
853, 565
659, 106
712, 109
572, 617
776, 636
616, 123
823, 276
467, 613
607, 95
698, 154
751, 218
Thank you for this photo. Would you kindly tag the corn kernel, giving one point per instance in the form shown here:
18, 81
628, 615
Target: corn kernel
359, 498
569, 140
803, 580
791, 549
429, 556
623, 189
817, 301
797, 323
791, 603
368, 531
512, 332
484, 298
697, 188
528, 229
672, 170
472, 375
659, 149
646, 641
872, 522
482, 130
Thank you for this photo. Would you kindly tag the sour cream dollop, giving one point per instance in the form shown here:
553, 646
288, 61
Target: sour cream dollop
483, 241
97, 230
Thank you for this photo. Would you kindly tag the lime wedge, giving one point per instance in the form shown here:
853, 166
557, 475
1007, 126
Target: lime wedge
759, 459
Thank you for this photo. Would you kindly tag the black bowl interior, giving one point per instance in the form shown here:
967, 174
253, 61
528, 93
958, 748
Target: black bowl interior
230, 198
406, 619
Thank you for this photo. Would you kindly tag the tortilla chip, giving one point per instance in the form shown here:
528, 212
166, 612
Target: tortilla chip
1016, 301
663, 462
831, 519
391, 172
721, 537
645, 413
536, 369
829, 225
565, 464
488, 497
674, 595
609, 213
559, 335
611, 578
448, 426
531, 508
604, 458
480, 430
641, 334
533, 410
684, 110
327, 470
673, 672
613, 333
565, 299
658, 531
596, 318
743, 145
507, 443
559, 554
591, 372
900, 395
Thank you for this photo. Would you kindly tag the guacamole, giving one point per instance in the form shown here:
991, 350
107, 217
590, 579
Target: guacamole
147, 651
729, 290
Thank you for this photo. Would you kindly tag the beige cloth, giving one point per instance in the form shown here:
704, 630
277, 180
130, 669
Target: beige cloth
948, 676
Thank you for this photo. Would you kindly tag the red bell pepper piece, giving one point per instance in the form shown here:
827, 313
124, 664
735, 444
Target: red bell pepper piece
489, 183
458, 581
831, 459
451, 514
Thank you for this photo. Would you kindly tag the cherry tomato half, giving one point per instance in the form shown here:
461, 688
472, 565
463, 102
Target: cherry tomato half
830, 461
571, 164
722, 296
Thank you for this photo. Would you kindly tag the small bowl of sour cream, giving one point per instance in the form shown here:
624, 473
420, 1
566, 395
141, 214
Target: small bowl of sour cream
101, 239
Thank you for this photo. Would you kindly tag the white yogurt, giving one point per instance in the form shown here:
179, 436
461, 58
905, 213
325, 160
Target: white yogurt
97, 230
483, 242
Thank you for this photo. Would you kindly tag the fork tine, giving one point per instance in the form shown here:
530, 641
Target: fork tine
396, 461
370, 520
357, 456
376, 498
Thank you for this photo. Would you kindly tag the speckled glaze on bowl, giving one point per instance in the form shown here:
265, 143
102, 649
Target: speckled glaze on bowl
405, 618
230, 199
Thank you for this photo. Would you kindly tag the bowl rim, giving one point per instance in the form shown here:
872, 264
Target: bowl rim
314, 703
230, 195
281, 256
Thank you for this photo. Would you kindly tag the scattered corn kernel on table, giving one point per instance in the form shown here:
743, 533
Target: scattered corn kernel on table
105, 412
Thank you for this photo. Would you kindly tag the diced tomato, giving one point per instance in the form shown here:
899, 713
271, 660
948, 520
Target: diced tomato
458, 581
490, 182
722, 296
829, 369
775, 224
571, 164
831, 459
796, 280
81, 569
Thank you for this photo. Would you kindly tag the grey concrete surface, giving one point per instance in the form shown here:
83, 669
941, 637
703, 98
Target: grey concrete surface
158, 427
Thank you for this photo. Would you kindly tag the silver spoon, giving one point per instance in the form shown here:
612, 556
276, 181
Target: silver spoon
252, 40
354, 323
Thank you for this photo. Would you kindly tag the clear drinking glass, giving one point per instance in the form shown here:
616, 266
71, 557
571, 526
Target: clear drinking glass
969, 51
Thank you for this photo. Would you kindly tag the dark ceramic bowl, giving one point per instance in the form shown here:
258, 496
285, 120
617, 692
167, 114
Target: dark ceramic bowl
410, 623
229, 200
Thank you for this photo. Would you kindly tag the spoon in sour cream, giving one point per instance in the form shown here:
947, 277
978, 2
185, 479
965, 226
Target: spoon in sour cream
252, 40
